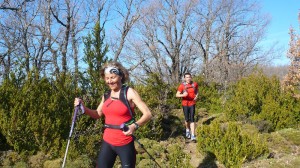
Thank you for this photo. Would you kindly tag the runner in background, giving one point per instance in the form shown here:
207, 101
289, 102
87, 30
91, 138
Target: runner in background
188, 91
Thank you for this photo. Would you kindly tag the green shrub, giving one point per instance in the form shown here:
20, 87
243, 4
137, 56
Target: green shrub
82, 161
151, 146
36, 161
152, 129
146, 163
291, 135
33, 115
166, 153
229, 143
283, 145
177, 158
160, 98
36, 115
157, 94
210, 96
277, 144
10, 158
21, 164
282, 111
259, 100
57, 163
86, 138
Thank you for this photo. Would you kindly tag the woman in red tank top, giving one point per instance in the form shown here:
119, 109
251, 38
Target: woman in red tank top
117, 142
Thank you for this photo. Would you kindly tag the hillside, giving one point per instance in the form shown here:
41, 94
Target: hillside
284, 152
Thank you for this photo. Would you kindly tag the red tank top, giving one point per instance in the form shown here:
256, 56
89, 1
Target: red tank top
189, 99
115, 113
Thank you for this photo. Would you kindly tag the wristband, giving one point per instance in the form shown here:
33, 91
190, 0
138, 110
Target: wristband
136, 125
82, 109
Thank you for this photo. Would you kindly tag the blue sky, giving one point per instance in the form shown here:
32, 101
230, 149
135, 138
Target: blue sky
284, 14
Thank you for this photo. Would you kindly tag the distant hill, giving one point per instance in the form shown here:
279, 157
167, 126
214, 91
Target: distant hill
279, 71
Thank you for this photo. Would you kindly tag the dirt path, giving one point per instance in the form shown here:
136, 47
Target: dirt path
191, 149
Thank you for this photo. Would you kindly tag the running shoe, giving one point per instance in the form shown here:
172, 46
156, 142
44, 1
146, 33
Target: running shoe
188, 135
193, 138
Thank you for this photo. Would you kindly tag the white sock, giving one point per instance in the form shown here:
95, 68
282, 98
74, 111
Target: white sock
187, 130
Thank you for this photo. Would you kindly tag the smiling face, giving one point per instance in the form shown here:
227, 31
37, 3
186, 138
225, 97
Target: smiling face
114, 75
188, 78
113, 81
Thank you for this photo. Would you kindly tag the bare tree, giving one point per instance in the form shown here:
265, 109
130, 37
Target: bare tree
48, 32
206, 15
8, 5
9, 42
228, 38
164, 46
169, 37
126, 14
21, 22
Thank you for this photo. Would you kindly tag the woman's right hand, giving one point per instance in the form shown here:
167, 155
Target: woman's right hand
77, 101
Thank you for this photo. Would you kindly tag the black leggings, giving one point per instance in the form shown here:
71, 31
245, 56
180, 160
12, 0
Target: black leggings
189, 113
108, 154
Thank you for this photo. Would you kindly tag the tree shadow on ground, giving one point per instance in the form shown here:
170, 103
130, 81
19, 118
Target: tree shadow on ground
172, 127
208, 120
209, 161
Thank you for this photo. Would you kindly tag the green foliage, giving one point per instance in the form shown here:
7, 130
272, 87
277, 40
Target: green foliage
210, 96
212, 99
157, 94
88, 132
284, 150
160, 98
37, 115
94, 56
86, 138
21, 165
277, 143
282, 111
10, 158
152, 147
53, 163
284, 142
36, 161
248, 95
229, 143
258, 99
31, 115
82, 161
3, 143
291, 135
151, 130
166, 154
177, 157
173, 124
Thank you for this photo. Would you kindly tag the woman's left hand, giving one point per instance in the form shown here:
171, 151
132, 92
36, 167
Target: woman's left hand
130, 131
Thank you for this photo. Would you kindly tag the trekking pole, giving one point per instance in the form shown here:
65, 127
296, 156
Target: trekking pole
142, 146
125, 128
70, 134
